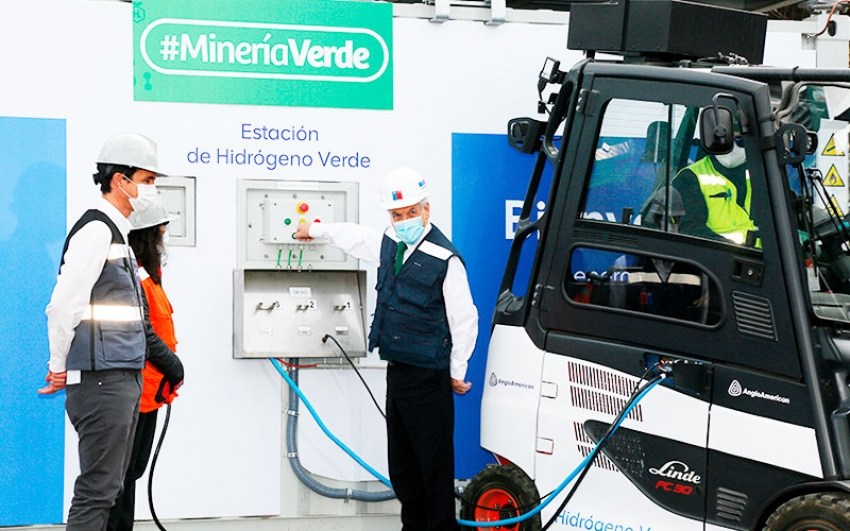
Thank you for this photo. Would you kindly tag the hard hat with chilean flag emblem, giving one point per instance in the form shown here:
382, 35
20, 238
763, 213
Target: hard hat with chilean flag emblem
403, 187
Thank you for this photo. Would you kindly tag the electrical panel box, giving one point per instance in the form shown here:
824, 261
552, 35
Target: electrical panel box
177, 195
287, 314
295, 299
270, 211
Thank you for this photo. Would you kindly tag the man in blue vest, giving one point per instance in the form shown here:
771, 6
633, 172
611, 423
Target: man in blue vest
425, 327
99, 331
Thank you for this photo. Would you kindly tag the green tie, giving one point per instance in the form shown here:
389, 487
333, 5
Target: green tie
399, 256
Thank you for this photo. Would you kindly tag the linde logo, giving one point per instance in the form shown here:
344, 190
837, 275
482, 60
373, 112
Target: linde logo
248, 50
736, 389
494, 381
677, 470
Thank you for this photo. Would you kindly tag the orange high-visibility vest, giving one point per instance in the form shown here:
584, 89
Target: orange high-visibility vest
163, 325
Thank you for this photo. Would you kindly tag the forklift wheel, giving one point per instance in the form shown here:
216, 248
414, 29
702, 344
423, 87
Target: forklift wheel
496, 493
826, 511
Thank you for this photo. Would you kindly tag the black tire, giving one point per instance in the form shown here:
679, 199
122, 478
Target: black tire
825, 511
496, 493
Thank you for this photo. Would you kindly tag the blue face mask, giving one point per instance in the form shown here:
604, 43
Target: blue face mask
410, 230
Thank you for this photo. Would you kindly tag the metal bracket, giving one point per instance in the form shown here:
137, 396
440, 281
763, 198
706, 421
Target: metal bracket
442, 8
498, 10
747, 271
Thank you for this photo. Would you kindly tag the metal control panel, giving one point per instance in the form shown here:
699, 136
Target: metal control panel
289, 295
270, 211
285, 314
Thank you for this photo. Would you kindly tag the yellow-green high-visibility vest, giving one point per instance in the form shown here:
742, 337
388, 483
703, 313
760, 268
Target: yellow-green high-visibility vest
725, 216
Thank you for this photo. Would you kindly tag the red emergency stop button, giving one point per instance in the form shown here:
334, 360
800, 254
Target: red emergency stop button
302, 207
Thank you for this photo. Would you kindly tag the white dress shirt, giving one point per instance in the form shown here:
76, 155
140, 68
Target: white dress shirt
87, 252
364, 243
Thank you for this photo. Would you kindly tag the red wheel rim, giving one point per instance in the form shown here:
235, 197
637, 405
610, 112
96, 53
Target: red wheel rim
494, 505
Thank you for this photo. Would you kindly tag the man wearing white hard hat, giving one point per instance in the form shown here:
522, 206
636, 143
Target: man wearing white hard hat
425, 326
99, 332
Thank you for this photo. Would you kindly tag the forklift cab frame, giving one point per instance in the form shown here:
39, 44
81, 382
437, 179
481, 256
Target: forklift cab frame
752, 431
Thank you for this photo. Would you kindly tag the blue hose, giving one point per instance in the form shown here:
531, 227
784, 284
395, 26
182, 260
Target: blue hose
568, 480
305, 476
585, 462
324, 428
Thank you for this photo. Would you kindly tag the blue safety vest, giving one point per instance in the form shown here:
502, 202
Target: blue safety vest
410, 323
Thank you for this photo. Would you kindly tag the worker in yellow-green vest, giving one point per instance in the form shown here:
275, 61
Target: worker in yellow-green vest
716, 194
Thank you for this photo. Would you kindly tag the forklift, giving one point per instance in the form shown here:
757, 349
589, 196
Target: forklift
652, 259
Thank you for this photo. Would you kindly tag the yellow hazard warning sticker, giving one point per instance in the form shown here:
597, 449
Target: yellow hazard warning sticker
833, 207
833, 178
832, 150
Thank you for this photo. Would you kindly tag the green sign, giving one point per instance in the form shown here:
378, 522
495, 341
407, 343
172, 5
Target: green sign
317, 53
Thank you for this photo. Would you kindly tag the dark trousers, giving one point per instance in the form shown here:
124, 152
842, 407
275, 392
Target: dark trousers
123, 513
420, 432
103, 409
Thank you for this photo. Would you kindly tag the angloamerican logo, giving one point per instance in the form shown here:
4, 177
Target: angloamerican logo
736, 389
495, 380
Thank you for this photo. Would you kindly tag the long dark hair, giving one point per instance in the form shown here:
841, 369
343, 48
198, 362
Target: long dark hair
146, 244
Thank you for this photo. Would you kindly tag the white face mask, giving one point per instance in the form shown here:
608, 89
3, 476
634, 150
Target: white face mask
145, 197
734, 158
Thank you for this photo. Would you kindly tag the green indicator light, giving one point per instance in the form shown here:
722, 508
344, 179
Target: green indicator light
287, 221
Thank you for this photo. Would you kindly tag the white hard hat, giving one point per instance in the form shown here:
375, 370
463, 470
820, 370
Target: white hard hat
403, 187
130, 149
154, 215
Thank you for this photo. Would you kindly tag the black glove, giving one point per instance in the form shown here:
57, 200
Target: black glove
160, 355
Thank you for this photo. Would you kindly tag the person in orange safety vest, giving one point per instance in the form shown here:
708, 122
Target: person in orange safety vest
149, 240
